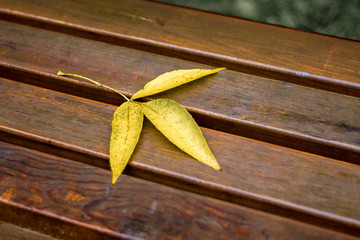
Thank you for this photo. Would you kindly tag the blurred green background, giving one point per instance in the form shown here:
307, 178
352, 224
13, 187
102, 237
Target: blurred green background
333, 17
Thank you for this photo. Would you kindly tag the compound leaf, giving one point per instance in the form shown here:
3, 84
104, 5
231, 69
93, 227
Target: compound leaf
172, 79
176, 123
126, 128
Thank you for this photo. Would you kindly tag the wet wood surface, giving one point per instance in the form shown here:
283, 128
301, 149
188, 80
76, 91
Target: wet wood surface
249, 166
285, 128
320, 122
276, 52
56, 187
14, 232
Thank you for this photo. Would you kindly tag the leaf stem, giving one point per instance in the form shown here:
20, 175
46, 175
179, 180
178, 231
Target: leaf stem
60, 73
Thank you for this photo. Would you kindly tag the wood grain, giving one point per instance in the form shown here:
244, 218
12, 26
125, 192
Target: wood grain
290, 115
50, 187
284, 91
264, 176
13, 232
304, 58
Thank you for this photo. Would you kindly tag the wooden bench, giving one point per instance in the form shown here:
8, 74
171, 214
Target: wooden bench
283, 122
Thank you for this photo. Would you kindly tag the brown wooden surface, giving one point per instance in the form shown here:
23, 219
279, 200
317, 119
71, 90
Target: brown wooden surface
276, 52
56, 187
14, 232
263, 129
254, 173
315, 121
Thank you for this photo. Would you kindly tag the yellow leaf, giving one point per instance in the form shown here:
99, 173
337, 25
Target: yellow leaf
126, 128
180, 128
172, 79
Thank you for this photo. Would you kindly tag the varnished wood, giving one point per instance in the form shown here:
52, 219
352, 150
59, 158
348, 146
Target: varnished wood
299, 57
262, 128
13, 232
254, 174
290, 115
49, 187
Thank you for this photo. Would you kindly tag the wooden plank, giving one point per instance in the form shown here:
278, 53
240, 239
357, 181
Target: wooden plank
287, 182
56, 190
276, 52
290, 115
13, 232
263, 118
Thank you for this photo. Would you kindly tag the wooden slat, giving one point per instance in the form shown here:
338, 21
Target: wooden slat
305, 58
13, 232
256, 174
299, 117
44, 188
136, 41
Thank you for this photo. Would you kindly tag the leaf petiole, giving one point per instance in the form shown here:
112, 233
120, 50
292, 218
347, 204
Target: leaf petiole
60, 73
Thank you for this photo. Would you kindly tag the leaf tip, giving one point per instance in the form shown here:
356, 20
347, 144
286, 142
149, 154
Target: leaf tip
115, 178
214, 165
137, 95
216, 70
217, 167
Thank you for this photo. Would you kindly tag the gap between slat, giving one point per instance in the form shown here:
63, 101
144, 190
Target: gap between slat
282, 137
241, 65
157, 175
